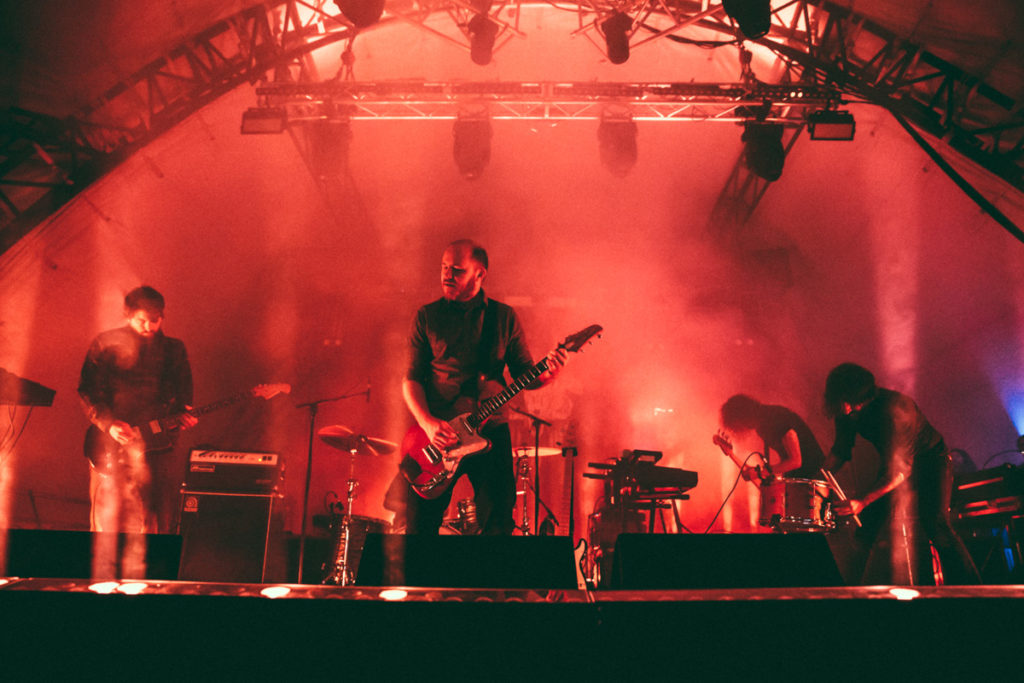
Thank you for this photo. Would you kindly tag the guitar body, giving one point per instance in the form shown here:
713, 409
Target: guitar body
156, 434
103, 452
433, 469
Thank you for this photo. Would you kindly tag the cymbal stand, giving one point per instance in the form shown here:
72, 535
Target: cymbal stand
522, 483
536, 422
339, 572
314, 406
523, 477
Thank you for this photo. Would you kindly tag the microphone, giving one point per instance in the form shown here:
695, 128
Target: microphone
367, 391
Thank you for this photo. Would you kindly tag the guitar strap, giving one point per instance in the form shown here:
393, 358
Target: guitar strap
489, 338
489, 365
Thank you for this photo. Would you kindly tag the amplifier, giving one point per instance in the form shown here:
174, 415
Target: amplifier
233, 471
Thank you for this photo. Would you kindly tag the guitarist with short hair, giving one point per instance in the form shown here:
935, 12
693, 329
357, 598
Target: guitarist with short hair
460, 346
132, 374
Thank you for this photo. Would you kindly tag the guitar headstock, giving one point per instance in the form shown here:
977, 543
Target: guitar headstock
722, 442
268, 391
574, 342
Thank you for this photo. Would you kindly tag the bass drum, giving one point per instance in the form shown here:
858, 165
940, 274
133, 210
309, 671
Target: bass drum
794, 505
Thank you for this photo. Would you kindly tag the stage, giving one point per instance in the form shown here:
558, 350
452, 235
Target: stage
186, 630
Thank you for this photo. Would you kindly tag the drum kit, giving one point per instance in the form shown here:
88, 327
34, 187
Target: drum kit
348, 531
799, 505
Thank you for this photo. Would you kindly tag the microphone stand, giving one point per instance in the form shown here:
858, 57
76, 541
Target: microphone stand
537, 422
314, 407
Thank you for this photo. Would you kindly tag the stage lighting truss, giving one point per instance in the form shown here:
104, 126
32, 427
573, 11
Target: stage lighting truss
389, 101
49, 160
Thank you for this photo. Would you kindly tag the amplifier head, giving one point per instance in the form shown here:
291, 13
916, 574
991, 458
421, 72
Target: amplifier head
235, 471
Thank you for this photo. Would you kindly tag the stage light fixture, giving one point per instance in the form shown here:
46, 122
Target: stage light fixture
482, 32
763, 152
472, 145
328, 143
831, 124
361, 13
754, 17
263, 120
616, 30
616, 136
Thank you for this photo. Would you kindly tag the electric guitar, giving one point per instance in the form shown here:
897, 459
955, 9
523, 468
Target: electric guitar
155, 435
431, 470
720, 440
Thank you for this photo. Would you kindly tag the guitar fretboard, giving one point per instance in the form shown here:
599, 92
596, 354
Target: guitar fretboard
494, 403
223, 403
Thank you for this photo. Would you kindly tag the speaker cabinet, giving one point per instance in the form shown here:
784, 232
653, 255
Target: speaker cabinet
684, 561
514, 562
230, 537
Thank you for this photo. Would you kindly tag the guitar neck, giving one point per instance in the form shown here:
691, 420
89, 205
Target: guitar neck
494, 403
217, 405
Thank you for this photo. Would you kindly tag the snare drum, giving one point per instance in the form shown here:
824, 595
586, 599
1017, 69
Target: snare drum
796, 505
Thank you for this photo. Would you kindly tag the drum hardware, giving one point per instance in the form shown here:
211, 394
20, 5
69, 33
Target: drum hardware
795, 505
542, 452
523, 486
344, 439
340, 568
314, 407
464, 523
535, 422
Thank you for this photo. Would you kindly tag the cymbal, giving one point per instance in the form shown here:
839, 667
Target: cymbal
543, 451
344, 439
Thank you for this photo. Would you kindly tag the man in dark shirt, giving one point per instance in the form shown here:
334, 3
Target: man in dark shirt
908, 505
131, 375
777, 432
459, 348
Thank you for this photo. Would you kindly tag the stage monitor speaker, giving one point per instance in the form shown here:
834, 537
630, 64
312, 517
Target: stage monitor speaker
697, 561
44, 553
230, 537
514, 562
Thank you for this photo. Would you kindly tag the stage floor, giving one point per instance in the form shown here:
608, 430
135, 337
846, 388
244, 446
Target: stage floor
202, 630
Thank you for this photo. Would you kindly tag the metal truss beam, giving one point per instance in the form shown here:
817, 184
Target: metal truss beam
828, 44
821, 44
231, 52
722, 102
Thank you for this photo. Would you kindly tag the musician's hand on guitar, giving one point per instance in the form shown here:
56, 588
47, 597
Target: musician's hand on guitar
556, 361
440, 433
846, 508
122, 432
187, 420
753, 474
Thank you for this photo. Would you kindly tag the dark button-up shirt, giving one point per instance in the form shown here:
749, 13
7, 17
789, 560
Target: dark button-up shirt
126, 377
447, 355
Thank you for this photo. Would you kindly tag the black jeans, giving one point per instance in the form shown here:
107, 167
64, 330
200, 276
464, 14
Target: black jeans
901, 536
494, 491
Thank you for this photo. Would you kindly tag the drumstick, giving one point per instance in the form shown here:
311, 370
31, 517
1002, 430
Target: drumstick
839, 491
